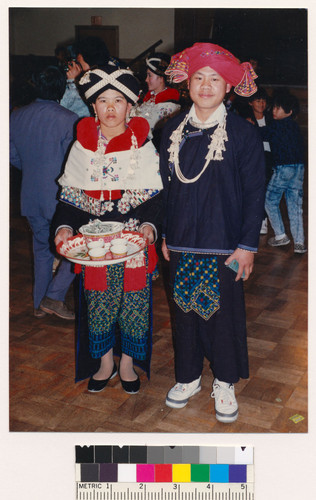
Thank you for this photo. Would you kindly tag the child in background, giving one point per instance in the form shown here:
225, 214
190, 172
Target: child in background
286, 144
260, 117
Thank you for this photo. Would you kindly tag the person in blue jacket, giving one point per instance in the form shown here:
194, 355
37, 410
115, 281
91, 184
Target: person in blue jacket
213, 173
287, 151
40, 134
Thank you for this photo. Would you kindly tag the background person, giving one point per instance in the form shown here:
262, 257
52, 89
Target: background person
40, 135
286, 142
85, 54
161, 101
260, 116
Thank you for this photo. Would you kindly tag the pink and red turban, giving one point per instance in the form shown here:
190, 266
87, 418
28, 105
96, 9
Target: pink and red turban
239, 75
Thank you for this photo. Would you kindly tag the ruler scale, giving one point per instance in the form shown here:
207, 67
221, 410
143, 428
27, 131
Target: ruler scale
165, 491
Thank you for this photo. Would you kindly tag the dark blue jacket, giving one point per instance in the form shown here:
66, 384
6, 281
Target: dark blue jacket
40, 135
223, 210
286, 141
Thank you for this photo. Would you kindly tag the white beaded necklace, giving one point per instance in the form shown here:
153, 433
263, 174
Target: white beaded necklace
215, 148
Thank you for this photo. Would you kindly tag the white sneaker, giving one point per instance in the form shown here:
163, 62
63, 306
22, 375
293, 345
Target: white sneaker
299, 248
274, 242
264, 226
179, 395
226, 407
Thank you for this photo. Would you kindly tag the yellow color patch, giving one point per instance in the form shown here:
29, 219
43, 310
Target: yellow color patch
181, 473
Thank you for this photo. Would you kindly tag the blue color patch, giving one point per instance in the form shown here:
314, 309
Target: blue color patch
219, 473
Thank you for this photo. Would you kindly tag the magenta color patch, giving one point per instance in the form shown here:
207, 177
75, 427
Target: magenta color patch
145, 473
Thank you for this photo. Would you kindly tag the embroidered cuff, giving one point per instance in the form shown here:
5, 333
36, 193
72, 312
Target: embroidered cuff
248, 249
61, 227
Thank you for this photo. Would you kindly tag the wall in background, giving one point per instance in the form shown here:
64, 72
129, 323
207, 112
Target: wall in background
38, 30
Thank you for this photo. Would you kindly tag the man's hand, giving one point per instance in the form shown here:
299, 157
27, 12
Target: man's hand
63, 235
245, 260
165, 250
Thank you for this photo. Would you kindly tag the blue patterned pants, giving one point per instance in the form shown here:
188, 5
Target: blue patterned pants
131, 310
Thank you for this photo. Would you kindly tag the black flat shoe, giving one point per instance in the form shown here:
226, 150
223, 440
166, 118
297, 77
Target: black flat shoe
98, 385
131, 387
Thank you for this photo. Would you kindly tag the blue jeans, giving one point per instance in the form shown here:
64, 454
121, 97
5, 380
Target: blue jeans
287, 180
44, 283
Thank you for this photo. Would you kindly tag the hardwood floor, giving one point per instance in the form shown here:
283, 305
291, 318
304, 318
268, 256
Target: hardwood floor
44, 397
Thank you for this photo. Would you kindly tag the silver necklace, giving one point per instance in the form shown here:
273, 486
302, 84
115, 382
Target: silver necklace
215, 148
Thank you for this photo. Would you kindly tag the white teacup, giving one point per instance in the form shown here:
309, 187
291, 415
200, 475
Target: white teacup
119, 250
119, 241
97, 253
95, 244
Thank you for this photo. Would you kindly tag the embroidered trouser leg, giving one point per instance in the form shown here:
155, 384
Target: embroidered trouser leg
130, 310
221, 339
134, 322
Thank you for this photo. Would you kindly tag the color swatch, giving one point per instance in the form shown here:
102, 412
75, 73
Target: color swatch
164, 464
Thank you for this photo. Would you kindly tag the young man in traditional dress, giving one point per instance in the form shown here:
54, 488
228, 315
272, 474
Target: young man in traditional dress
213, 172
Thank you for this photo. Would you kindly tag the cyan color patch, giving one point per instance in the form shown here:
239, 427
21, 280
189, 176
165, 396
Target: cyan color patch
219, 473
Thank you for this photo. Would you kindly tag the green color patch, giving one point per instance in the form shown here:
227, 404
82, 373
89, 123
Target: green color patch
200, 473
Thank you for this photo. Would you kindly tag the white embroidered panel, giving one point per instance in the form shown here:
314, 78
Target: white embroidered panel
138, 169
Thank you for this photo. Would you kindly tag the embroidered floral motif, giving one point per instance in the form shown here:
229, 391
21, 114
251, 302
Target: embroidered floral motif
130, 199
131, 225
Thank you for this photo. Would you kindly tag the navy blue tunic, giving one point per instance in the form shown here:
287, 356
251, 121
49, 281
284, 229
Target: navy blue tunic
223, 209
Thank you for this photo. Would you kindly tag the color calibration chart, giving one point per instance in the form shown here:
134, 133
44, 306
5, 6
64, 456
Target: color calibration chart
164, 473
